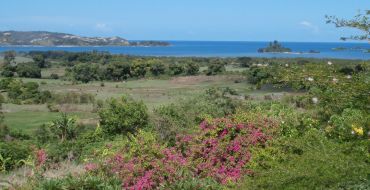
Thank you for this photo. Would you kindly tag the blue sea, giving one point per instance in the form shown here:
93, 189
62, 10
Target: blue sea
223, 49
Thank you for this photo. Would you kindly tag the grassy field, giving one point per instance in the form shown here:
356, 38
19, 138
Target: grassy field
28, 121
153, 92
18, 59
45, 73
29, 117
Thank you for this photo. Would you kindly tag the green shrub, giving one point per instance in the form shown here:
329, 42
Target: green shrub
85, 72
8, 71
64, 128
351, 124
66, 150
118, 71
157, 68
80, 182
139, 69
39, 60
4, 131
20, 92
123, 116
19, 135
191, 183
183, 116
52, 107
245, 61
176, 69
216, 67
54, 76
192, 68
43, 134
12, 153
308, 162
28, 70
258, 75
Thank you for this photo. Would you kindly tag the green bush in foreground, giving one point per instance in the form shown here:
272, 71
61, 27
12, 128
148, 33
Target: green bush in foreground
83, 182
310, 162
123, 116
12, 153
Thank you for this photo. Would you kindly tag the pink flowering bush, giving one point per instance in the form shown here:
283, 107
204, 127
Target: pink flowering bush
219, 151
90, 167
148, 172
41, 158
222, 149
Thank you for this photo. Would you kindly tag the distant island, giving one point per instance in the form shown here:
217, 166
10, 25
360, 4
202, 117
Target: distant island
351, 49
43, 38
339, 49
274, 47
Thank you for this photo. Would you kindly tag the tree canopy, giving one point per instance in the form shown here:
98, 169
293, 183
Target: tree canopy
361, 22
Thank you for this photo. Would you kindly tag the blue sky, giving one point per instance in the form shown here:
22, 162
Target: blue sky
216, 20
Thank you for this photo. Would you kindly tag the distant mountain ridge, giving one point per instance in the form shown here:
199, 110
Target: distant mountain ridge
43, 38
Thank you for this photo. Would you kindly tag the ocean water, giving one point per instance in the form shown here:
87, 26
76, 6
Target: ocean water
222, 49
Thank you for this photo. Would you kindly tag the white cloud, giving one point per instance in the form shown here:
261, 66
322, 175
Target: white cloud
102, 27
308, 25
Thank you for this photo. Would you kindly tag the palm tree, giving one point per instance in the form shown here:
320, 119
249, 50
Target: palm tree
64, 127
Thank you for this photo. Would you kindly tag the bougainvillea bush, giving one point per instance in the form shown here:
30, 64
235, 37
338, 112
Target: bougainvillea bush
219, 152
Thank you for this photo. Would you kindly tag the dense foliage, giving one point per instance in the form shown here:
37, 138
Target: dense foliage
123, 116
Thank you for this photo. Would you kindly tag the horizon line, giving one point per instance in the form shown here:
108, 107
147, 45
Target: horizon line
193, 40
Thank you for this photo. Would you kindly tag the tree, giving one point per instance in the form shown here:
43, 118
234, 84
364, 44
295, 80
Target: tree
245, 61
64, 128
28, 70
118, 71
257, 75
360, 22
18, 91
30, 90
215, 67
192, 68
123, 116
157, 68
9, 57
13, 88
176, 69
8, 71
39, 59
85, 72
139, 68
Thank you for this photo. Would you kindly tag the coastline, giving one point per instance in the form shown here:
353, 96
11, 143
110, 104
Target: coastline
211, 49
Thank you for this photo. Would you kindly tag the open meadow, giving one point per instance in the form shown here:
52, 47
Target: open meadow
153, 92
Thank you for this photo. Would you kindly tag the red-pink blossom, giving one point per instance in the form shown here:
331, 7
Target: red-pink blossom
41, 157
90, 167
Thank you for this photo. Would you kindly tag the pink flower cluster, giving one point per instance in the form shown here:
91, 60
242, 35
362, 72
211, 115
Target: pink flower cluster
89, 167
41, 157
148, 172
221, 150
